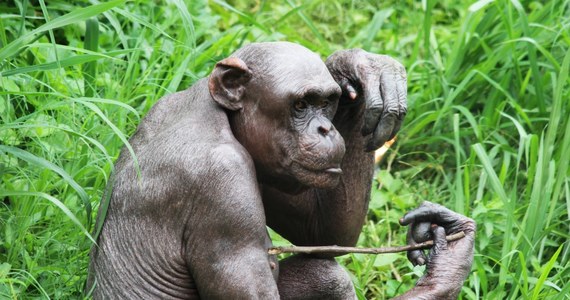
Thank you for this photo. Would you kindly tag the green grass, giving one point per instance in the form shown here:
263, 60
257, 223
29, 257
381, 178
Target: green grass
487, 132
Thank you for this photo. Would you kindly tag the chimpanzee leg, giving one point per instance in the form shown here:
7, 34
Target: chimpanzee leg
305, 277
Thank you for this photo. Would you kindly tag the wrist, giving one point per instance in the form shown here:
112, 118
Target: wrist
419, 293
349, 120
441, 291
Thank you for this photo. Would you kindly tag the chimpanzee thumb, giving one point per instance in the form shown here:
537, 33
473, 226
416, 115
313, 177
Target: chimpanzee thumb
439, 241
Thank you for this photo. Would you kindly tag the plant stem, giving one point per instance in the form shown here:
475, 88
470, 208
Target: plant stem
346, 250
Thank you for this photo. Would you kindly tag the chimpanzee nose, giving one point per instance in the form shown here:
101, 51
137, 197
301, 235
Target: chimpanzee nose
322, 126
325, 129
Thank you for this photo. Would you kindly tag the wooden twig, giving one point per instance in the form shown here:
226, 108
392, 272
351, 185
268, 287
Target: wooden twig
346, 250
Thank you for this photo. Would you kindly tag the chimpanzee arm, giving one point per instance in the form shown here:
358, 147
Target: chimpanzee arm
371, 109
226, 243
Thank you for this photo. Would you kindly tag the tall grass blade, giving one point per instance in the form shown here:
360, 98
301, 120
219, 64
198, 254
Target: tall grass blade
75, 16
188, 24
551, 133
322, 41
533, 60
139, 20
56, 202
544, 274
248, 19
459, 200
40, 162
91, 43
66, 62
116, 130
509, 212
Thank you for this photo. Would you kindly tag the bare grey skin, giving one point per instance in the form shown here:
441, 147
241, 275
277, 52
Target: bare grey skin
274, 137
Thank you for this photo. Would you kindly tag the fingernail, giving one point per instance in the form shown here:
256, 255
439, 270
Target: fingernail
421, 261
351, 92
352, 95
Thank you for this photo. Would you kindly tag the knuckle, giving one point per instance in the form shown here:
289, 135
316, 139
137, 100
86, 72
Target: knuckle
470, 225
402, 94
377, 142
391, 110
400, 69
375, 107
390, 61
357, 51
338, 76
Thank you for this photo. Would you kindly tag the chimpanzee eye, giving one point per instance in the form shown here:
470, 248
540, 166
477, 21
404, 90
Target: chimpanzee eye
300, 105
325, 104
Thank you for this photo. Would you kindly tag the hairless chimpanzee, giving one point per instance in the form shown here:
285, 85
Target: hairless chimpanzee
274, 137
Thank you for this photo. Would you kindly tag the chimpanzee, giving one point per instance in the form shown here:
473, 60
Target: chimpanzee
274, 137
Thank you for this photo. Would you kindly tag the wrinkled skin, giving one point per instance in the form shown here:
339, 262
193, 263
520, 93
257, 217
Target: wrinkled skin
381, 83
273, 136
448, 264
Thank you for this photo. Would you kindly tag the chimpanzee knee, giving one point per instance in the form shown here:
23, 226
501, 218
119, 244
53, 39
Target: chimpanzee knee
305, 277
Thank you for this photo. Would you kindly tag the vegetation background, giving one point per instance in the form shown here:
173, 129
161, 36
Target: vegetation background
487, 132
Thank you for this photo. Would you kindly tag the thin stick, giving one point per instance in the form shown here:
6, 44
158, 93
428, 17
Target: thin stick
346, 250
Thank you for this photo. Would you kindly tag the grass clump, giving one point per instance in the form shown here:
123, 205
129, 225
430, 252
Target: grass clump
487, 132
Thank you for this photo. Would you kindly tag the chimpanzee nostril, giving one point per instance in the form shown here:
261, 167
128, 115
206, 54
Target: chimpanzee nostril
324, 131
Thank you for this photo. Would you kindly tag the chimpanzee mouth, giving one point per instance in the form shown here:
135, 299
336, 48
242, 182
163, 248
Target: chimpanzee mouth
333, 170
323, 177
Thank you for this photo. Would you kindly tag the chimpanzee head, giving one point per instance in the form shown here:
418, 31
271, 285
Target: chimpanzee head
281, 99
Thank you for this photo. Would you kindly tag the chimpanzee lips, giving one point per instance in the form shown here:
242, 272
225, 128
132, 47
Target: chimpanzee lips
313, 175
333, 171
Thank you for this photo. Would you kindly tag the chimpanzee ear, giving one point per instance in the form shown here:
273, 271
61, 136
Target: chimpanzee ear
227, 82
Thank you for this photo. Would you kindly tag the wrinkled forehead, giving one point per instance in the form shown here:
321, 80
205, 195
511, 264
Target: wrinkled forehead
298, 71
287, 66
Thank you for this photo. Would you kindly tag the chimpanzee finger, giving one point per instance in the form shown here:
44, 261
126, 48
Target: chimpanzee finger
372, 114
402, 91
427, 212
349, 94
351, 91
390, 119
382, 133
390, 85
417, 257
439, 241
418, 233
374, 103
397, 125
421, 232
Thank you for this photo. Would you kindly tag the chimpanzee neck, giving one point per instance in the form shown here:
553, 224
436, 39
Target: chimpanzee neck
286, 185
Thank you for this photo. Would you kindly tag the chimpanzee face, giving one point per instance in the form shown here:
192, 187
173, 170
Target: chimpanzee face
285, 116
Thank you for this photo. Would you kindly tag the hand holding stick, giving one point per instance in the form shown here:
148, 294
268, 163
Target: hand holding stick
346, 250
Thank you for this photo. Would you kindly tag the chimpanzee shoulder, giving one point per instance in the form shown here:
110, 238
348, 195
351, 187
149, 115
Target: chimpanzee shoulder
184, 143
